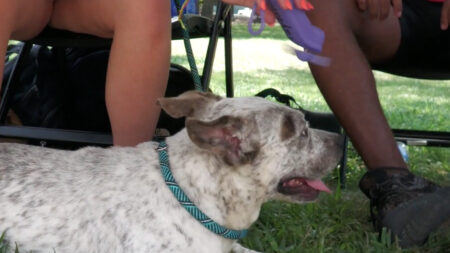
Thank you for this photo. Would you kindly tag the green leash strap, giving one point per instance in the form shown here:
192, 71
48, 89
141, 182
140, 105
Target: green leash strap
189, 52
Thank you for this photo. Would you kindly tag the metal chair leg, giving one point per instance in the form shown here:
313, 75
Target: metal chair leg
222, 11
228, 56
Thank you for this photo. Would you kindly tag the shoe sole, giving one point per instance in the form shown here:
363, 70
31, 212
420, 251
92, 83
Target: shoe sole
413, 222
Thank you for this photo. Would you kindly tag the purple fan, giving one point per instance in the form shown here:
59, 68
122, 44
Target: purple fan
299, 30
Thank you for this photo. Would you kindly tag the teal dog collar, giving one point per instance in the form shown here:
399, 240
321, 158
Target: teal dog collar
187, 203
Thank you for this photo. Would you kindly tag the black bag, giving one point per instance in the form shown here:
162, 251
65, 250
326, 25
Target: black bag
36, 104
67, 90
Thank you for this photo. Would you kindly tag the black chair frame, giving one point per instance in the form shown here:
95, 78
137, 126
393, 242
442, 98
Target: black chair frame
415, 137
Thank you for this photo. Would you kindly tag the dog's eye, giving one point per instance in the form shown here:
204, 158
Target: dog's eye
304, 133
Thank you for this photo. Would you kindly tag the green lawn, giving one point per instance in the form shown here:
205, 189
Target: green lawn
338, 222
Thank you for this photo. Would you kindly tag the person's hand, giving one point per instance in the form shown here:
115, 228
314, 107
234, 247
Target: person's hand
379, 9
445, 15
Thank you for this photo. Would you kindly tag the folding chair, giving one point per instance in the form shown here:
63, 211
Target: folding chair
198, 27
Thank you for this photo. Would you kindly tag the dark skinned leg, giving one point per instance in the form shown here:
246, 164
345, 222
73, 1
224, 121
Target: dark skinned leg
410, 207
353, 40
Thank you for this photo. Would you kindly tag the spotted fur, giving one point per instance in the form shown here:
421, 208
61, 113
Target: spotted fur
229, 160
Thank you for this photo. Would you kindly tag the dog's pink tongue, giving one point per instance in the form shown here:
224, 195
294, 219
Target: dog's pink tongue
318, 185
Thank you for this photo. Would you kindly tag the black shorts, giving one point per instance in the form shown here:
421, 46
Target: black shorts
424, 50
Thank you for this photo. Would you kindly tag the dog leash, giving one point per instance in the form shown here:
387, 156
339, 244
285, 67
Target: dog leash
187, 203
187, 44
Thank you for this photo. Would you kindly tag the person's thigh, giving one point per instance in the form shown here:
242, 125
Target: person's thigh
104, 17
94, 17
21, 20
378, 39
24, 19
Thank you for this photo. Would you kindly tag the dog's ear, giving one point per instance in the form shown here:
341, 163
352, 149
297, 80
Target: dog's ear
188, 104
221, 136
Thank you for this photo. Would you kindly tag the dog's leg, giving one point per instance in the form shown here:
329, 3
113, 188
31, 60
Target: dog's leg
237, 248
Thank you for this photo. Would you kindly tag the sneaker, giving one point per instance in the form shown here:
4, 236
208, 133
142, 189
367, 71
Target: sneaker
409, 206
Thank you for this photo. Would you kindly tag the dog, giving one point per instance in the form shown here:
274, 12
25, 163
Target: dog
233, 155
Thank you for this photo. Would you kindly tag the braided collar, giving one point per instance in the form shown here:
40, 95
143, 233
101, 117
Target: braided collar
187, 203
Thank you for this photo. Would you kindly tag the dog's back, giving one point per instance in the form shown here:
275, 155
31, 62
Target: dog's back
92, 200
53, 196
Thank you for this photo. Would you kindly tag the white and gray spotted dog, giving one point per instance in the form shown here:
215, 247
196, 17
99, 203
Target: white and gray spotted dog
234, 155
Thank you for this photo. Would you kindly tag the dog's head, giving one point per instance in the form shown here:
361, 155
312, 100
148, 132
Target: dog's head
271, 142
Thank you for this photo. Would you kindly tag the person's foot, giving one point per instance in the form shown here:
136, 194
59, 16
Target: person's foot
410, 207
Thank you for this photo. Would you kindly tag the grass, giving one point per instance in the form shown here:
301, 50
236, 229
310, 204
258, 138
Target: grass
337, 222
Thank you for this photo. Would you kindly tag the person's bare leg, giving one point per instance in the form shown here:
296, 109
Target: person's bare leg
138, 67
21, 19
348, 84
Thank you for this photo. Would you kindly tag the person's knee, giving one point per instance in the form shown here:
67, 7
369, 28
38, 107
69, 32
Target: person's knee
343, 21
25, 19
8, 11
143, 14
332, 14
95, 17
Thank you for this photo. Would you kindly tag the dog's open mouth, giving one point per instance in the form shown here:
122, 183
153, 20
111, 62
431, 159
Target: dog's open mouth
305, 189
